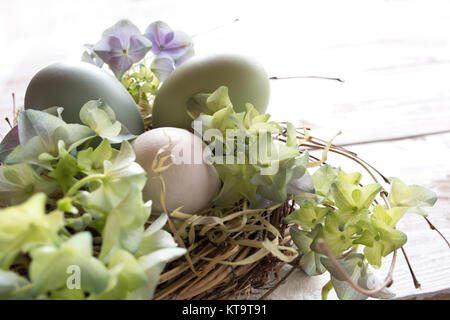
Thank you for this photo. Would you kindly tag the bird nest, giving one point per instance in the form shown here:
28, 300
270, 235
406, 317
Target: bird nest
231, 251
238, 251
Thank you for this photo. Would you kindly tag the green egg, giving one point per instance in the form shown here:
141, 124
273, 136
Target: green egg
71, 85
246, 79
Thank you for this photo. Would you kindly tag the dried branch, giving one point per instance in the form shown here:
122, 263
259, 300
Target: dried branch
305, 77
432, 227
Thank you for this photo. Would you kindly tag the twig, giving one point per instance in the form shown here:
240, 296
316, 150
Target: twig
215, 28
323, 247
416, 282
271, 290
9, 122
14, 104
305, 77
432, 227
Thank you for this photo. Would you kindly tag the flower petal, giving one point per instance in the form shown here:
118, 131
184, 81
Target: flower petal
121, 46
177, 44
162, 67
156, 33
139, 46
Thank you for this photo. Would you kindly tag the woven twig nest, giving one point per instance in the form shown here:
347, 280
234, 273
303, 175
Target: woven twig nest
226, 255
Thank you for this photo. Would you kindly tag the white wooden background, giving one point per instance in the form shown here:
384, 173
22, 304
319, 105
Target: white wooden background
393, 106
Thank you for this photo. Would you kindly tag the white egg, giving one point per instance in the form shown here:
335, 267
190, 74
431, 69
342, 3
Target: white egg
190, 185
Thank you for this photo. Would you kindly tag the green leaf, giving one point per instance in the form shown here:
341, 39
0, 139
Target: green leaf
155, 238
386, 240
326, 290
352, 178
19, 181
125, 275
25, 226
101, 119
156, 249
43, 135
91, 161
49, 266
308, 216
291, 140
218, 100
349, 197
236, 183
310, 260
9, 283
338, 238
388, 217
411, 196
119, 173
65, 170
354, 266
323, 178
380, 237
274, 186
124, 227
123, 164
153, 264
68, 294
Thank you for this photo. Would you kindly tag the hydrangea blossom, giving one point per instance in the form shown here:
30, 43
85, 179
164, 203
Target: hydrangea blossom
170, 47
121, 46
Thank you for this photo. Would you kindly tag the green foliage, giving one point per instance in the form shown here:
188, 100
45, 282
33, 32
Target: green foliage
141, 83
413, 197
19, 181
101, 119
360, 233
333, 205
25, 226
48, 269
260, 167
43, 136
61, 194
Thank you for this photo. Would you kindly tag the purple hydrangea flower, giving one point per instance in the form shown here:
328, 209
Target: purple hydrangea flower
170, 47
121, 46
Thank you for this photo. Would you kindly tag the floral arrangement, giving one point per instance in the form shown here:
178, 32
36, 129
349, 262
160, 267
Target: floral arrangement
73, 205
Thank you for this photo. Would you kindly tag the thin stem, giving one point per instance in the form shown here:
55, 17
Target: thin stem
432, 227
8, 122
14, 107
82, 182
305, 77
323, 247
416, 282
215, 28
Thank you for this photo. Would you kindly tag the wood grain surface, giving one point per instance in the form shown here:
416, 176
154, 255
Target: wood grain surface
393, 105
